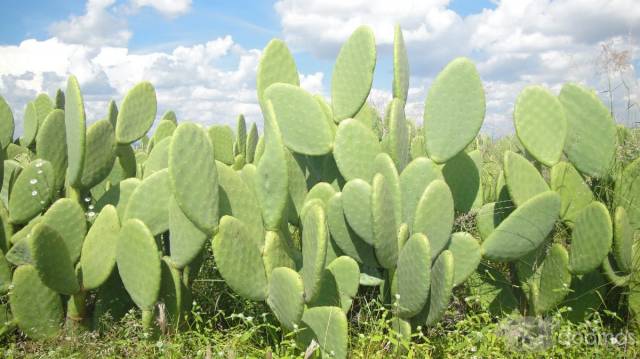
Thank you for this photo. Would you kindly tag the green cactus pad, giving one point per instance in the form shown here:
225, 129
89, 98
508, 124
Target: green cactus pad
6, 229
524, 229
523, 179
286, 296
51, 144
7, 125
492, 291
112, 113
239, 201
137, 112
118, 196
346, 272
51, 260
345, 237
591, 238
149, 202
5, 274
158, 158
616, 277
434, 215
540, 124
297, 183
400, 66
139, 263
417, 147
399, 139
165, 129
622, 240
186, 240
591, 139
384, 165
112, 299
413, 181
369, 117
44, 106
463, 177
240, 145
222, 139
555, 279
271, 186
627, 192
489, 217
356, 203
99, 249
413, 275
194, 182
355, 150
466, 254
30, 125
252, 142
321, 191
315, 237
276, 65
75, 124
278, 252
32, 191
353, 73
329, 327
301, 119
239, 260
586, 295
67, 218
173, 292
442, 275
99, 155
575, 194
384, 225
454, 110
36, 309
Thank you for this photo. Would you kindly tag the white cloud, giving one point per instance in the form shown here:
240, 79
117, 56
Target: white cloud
99, 26
168, 8
206, 83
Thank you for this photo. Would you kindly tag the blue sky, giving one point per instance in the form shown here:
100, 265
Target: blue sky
202, 55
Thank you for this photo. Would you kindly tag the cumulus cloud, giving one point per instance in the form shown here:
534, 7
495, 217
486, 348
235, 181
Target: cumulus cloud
169, 8
99, 26
189, 79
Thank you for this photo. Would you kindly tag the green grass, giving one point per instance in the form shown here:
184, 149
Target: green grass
222, 325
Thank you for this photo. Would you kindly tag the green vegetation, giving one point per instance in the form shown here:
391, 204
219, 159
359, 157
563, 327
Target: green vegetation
337, 233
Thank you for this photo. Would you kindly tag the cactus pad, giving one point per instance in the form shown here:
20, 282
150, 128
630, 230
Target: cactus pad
314, 248
355, 150
524, 229
591, 238
139, 263
51, 260
137, 112
523, 179
353, 73
36, 309
301, 119
99, 249
75, 124
454, 110
540, 124
194, 182
434, 216
286, 296
413, 275
466, 254
239, 260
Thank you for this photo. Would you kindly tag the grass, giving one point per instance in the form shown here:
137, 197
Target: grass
222, 325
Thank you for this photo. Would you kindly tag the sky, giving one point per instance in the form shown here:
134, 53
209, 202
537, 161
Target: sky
202, 56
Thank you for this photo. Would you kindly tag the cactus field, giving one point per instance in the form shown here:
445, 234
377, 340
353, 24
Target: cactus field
324, 206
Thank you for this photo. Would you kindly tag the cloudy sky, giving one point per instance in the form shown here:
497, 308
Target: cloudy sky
202, 55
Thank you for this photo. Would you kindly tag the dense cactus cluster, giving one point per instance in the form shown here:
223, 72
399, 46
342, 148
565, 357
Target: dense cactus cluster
331, 197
